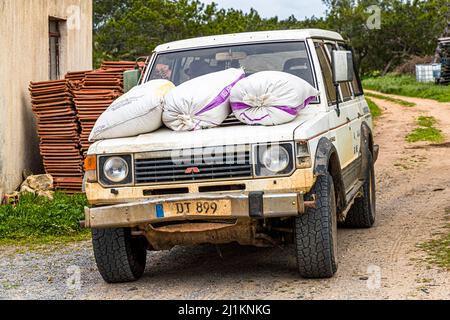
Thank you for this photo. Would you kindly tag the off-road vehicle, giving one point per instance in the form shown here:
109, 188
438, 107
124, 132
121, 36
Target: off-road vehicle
254, 185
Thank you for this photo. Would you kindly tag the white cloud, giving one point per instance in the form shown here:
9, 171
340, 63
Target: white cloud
281, 8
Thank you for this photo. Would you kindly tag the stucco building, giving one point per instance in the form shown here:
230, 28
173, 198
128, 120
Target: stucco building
39, 40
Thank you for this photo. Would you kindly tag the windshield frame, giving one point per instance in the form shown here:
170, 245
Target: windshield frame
154, 58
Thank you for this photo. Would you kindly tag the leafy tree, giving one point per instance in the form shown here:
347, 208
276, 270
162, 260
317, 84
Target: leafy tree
408, 28
127, 29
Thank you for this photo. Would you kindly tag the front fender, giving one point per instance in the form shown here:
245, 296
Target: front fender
367, 148
327, 161
325, 149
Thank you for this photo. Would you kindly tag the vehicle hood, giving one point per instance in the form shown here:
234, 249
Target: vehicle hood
166, 139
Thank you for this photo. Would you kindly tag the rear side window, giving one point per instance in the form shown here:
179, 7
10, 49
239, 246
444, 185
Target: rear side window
357, 87
325, 65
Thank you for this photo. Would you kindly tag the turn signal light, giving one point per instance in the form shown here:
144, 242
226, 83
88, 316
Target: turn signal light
90, 164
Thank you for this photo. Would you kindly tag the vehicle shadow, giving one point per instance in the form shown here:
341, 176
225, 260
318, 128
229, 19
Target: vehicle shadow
228, 260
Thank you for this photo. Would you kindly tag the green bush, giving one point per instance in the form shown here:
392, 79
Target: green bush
408, 86
37, 218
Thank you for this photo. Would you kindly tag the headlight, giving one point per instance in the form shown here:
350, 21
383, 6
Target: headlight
275, 159
116, 169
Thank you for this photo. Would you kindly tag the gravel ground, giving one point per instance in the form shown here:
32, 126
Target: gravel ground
380, 263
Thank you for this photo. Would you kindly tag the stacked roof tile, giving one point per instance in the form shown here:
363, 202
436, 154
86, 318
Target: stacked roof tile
99, 89
58, 131
66, 112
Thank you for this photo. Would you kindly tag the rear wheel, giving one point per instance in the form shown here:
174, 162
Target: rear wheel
362, 213
316, 233
119, 256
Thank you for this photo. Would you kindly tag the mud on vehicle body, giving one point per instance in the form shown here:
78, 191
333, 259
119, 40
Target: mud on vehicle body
293, 183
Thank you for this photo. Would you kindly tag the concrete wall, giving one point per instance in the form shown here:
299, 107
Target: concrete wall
24, 57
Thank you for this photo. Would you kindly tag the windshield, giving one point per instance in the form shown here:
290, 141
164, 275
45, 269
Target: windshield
179, 67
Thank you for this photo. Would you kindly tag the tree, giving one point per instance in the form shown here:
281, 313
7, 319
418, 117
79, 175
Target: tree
127, 29
408, 28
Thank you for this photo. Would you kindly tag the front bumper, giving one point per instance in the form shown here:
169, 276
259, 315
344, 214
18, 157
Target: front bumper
254, 205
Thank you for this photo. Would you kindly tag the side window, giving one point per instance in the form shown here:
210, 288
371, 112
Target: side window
326, 71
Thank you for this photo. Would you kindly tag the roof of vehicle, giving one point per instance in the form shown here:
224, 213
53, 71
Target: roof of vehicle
260, 36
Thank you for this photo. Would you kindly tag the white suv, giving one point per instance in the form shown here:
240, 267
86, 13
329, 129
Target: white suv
292, 183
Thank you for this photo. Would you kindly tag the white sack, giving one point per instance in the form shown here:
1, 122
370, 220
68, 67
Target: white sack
137, 112
270, 98
202, 102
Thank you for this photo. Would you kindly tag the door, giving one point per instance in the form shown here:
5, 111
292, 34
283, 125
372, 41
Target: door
345, 128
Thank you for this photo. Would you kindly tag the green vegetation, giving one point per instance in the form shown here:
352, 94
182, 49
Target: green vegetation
394, 100
40, 220
424, 121
127, 29
374, 108
439, 249
408, 86
426, 131
425, 134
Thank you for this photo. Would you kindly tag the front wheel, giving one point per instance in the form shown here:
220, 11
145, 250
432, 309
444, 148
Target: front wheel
316, 233
119, 256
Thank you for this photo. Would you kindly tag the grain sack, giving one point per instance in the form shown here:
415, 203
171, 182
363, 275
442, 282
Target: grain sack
270, 98
202, 102
136, 112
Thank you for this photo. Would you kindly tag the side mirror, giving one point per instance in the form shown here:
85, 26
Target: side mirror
131, 79
342, 66
342, 62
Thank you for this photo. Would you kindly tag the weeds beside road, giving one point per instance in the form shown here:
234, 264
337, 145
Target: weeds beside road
387, 98
36, 220
374, 109
439, 249
426, 131
408, 86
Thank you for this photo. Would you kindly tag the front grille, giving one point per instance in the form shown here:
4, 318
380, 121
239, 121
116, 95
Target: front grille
231, 121
162, 169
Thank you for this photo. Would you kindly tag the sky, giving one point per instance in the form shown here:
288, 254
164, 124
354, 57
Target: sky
281, 8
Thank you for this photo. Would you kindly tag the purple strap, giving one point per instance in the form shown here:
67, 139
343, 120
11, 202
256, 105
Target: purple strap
308, 101
291, 111
197, 126
235, 106
253, 120
223, 96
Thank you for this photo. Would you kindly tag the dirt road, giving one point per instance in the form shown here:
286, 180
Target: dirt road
380, 263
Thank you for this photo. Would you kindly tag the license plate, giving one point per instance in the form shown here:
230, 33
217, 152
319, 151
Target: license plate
196, 208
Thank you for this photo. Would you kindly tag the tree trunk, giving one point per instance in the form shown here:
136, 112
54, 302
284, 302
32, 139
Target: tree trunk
388, 67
